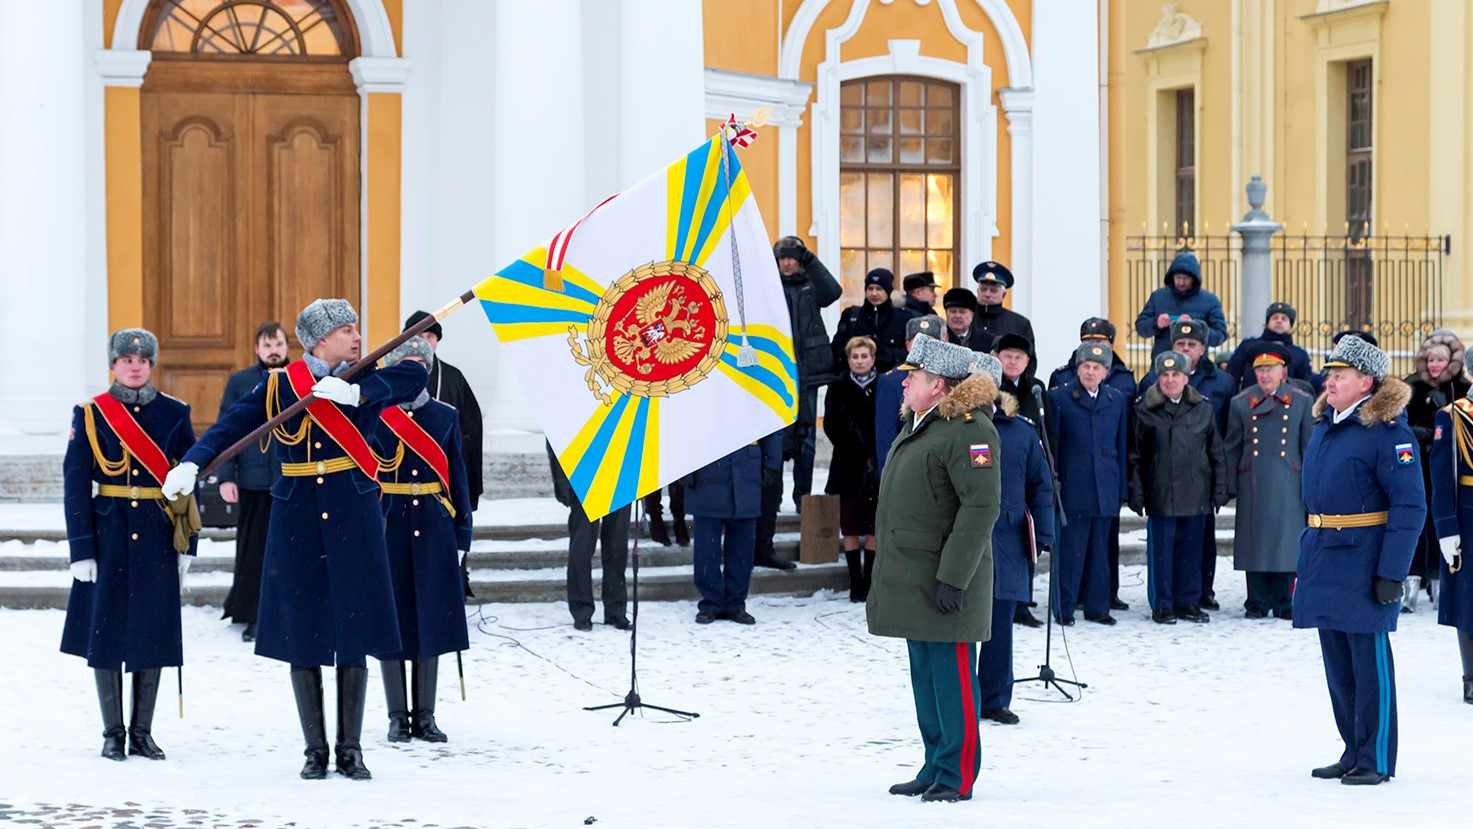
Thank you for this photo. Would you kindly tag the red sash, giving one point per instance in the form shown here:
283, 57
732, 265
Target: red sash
134, 439
416, 438
332, 419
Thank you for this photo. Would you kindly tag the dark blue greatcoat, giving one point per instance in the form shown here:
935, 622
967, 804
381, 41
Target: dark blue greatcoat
1027, 489
1452, 511
131, 613
424, 542
1366, 463
326, 595
888, 396
1090, 441
1120, 378
731, 487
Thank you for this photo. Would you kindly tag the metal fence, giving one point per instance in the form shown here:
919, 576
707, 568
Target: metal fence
1146, 263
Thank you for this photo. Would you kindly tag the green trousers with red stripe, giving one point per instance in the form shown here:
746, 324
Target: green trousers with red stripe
943, 677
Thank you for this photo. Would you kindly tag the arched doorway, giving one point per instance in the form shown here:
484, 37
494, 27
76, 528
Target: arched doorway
251, 139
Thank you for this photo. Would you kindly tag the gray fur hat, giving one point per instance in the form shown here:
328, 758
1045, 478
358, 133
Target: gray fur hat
1171, 361
1094, 352
954, 362
989, 364
930, 325
127, 341
1189, 330
321, 318
412, 347
1354, 352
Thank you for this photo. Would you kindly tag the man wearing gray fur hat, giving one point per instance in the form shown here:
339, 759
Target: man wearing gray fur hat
326, 594
1363, 493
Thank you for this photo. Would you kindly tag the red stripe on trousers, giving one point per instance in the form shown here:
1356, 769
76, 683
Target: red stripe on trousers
969, 711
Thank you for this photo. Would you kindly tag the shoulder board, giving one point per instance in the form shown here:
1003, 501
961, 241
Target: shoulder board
1025, 419
967, 416
173, 398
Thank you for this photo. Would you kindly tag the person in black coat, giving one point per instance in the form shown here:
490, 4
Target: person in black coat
920, 294
612, 531
849, 423
449, 386
246, 479
1015, 353
962, 327
876, 319
1439, 380
994, 281
1278, 327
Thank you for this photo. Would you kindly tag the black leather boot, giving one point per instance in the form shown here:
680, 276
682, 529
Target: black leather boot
352, 696
140, 726
307, 687
397, 698
655, 510
1465, 649
856, 577
426, 672
682, 532
110, 699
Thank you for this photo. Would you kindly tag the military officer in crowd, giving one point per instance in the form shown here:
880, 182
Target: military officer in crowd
890, 387
1269, 425
962, 329
920, 294
427, 528
1363, 491
1025, 527
994, 280
1452, 514
326, 594
1089, 433
933, 569
1278, 327
126, 562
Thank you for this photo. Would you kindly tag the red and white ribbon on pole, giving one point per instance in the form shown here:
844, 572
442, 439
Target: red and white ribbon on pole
557, 250
740, 135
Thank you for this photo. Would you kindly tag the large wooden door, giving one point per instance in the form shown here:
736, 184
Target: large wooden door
250, 211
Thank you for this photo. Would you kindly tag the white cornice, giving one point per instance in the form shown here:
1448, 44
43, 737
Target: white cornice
122, 67
380, 74
740, 93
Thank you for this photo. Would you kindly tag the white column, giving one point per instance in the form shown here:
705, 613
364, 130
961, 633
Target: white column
1066, 267
54, 359
662, 92
1018, 105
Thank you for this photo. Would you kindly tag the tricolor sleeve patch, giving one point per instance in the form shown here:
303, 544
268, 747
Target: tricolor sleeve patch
1405, 453
981, 455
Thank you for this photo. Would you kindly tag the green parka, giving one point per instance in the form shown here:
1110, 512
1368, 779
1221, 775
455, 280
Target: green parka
939, 497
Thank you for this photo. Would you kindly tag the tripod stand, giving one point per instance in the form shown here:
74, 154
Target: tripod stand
632, 699
1046, 673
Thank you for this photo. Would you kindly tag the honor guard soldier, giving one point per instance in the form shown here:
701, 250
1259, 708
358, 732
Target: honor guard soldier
326, 594
933, 569
1025, 526
123, 611
1452, 513
427, 526
1363, 492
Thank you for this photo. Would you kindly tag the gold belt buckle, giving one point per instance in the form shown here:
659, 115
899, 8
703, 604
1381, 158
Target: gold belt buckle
321, 468
414, 489
1316, 521
133, 493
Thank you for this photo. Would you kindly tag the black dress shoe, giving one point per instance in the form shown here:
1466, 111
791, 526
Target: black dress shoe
705, 617
399, 728
1106, 619
1209, 603
741, 617
1334, 771
911, 789
1116, 604
1364, 777
350, 765
1000, 715
583, 624
1254, 613
1192, 614
1286, 613
249, 634
942, 793
112, 744
774, 563
316, 766
1163, 617
1066, 621
620, 622
1021, 616
1468, 690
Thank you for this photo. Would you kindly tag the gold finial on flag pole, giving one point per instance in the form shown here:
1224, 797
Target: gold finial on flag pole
759, 117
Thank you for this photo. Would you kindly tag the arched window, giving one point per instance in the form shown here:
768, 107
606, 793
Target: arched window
294, 29
899, 164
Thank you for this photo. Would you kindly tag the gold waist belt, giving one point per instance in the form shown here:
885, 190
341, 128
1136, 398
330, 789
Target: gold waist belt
1345, 522
1465, 480
132, 492
432, 488
310, 468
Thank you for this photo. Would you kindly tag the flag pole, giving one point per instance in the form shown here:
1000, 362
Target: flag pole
372, 358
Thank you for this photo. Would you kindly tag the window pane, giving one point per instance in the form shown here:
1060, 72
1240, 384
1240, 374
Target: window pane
938, 151
879, 121
912, 261
851, 149
912, 211
910, 93
881, 191
877, 93
939, 263
938, 95
882, 259
851, 94
939, 122
851, 120
851, 209
910, 151
910, 122
938, 211
851, 271
879, 151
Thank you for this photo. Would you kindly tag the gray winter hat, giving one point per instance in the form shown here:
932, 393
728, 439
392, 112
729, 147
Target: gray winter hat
1354, 352
930, 325
954, 362
321, 318
412, 347
1094, 352
989, 364
128, 341
1189, 330
1170, 361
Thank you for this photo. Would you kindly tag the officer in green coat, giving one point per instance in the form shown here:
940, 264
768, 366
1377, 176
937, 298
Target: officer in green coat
939, 497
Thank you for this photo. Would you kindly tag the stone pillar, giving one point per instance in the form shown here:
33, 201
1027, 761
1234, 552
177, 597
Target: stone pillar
1256, 290
662, 92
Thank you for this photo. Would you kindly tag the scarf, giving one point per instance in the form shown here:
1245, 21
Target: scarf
863, 382
423, 398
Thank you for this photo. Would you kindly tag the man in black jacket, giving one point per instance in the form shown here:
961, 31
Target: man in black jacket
920, 294
994, 281
246, 479
448, 386
876, 318
962, 327
1278, 327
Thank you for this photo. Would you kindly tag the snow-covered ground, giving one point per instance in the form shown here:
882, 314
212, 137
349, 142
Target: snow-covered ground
805, 721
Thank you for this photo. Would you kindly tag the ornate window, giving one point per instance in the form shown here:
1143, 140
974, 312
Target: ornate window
293, 29
1186, 160
899, 164
1359, 271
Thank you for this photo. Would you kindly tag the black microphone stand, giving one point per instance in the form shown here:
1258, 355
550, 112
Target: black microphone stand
1046, 674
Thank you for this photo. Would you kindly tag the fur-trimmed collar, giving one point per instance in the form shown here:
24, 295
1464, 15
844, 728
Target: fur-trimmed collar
1454, 368
1007, 403
1389, 402
976, 391
1155, 398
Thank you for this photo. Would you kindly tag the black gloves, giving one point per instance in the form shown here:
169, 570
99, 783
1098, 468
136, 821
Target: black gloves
1387, 591
951, 599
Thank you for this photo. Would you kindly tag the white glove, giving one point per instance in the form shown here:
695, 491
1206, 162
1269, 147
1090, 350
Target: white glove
337, 390
85, 570
180, 480
184, 562
1450, 548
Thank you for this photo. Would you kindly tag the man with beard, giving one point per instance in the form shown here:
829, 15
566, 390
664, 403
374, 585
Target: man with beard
246, 479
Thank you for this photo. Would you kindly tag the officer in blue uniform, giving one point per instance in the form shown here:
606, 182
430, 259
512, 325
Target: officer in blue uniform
724, 499
427, 528
1363, 492
326, 594
1089, 433
1025, 523
889, 391
123, 611
1452, 515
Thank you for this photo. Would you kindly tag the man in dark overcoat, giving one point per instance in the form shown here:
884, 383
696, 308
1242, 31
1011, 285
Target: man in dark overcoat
1278, 327
994, 280
932, 586
123, 610
920, 294
1363, 492
877, 318
326, 594
724, 499
889, 389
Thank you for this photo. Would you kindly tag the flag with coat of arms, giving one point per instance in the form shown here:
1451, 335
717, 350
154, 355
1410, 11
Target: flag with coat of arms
652, 334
